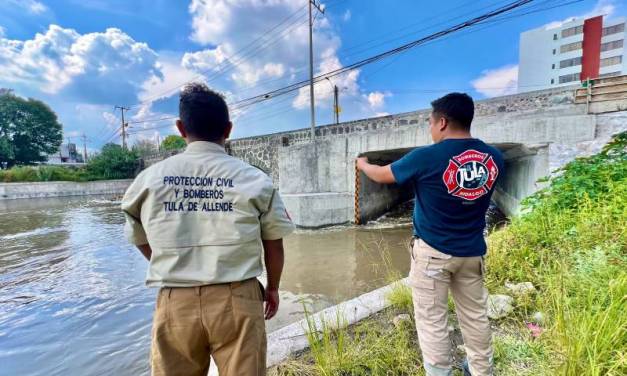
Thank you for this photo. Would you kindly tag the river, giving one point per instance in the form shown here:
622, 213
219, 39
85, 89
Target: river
72, 294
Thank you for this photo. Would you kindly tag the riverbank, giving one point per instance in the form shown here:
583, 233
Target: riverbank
14, 191
562, 266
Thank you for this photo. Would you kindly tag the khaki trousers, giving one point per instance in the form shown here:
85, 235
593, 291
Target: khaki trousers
431, 276
224, 321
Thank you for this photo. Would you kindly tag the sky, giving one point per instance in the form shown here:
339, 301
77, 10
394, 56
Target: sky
84, 57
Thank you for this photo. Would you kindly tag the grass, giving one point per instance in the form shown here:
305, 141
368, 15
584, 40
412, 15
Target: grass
570, 243
45, 173
372, 347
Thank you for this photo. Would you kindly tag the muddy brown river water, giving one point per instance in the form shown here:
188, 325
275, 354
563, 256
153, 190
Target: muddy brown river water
72, 294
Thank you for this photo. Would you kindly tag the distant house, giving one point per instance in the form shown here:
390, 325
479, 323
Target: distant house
66, 155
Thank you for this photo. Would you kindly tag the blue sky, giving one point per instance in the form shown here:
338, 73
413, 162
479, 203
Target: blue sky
83, 57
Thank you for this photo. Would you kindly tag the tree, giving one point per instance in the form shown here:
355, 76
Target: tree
144, 148
29, 130
173, 143
113, 162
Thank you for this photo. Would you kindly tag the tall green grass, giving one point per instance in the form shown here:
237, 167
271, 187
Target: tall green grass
572, 246
46, 173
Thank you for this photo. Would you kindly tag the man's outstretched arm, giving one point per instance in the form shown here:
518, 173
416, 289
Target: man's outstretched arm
379, 174
274, 258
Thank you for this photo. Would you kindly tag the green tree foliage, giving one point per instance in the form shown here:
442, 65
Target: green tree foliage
113, 162
173, 143
29, 130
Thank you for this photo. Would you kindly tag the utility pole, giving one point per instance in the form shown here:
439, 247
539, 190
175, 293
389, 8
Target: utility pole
311, 83
336, 104
124, 125
84, 147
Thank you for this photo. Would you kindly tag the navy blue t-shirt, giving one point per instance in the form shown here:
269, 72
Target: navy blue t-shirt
453, 182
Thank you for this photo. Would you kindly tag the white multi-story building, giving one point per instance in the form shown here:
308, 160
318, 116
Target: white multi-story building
572, 52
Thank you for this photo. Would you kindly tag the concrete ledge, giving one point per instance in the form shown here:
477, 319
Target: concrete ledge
314, 210
290, 339
12, 191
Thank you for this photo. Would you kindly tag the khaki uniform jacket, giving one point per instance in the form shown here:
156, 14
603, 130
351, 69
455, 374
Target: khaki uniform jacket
204, 214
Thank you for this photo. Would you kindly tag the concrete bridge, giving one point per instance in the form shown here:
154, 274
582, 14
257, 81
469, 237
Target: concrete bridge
537, 132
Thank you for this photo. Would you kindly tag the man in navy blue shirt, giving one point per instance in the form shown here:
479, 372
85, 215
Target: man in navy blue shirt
453, 180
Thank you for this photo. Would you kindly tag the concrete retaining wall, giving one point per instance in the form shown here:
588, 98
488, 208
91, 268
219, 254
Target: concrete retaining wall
10, 191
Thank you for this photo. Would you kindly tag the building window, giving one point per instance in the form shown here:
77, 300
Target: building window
611, 74
612, 45
554, 36
572, 31
554, 51
552, 66
614, 29
552, 81
571, 47
614, 60
570, 62
569, 78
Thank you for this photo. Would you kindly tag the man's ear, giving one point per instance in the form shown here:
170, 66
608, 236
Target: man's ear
181, 128
227, 131
443, 123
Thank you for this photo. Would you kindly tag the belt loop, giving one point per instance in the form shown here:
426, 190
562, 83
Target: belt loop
169, 292
197, 288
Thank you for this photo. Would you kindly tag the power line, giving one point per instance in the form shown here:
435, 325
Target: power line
380, 56
240, 53
491, 23
431, 38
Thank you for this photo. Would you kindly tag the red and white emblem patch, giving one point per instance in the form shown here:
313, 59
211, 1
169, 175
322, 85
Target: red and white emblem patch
470, 175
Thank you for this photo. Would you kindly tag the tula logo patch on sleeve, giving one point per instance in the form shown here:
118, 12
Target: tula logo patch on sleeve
470, 175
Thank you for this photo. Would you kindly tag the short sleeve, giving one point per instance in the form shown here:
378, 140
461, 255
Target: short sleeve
131, 206
409, 166
276, 222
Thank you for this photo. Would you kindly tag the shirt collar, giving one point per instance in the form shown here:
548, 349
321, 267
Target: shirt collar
204, 147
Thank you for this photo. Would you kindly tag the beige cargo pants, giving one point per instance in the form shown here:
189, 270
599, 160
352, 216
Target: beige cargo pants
224, 321
431, 276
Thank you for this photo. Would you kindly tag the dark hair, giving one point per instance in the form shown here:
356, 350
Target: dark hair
458, 108
204, 112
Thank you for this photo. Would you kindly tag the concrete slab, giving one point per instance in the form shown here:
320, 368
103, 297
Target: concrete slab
313, 210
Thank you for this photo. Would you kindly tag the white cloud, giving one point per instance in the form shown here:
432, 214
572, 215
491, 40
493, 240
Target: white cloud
602, 7
376, 99
323, 91
36, 7
103, 67
168, 82
347, 15
110, 119
249, 60
206, 60
497, 82
31, 6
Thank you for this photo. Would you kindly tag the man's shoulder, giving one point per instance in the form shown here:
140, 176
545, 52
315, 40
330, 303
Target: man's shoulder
253, 172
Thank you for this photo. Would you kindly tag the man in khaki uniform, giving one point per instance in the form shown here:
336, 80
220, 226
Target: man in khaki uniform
202, 219
453, 180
